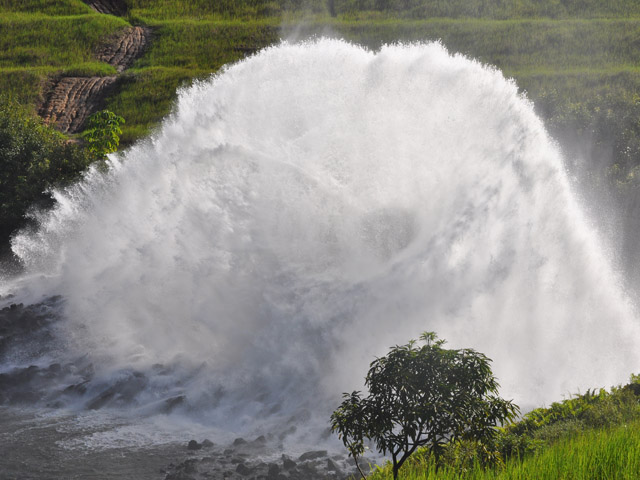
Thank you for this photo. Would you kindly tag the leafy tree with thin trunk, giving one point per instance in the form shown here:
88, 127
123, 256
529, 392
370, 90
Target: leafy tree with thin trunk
103, 133
423, 396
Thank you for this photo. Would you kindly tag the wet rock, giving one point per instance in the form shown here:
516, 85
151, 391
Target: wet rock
193, 445
242, 469
206, 443
287, 463
273, 471
313, 455
121, 393
239, 441
331, 466
184, 471
189, 466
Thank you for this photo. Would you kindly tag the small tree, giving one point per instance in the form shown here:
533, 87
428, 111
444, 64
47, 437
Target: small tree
103, 133
423, 396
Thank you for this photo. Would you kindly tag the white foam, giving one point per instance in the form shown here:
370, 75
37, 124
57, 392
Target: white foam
317, 203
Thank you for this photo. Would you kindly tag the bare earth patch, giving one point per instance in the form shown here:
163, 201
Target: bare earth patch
111, 7
69, 101
122, 50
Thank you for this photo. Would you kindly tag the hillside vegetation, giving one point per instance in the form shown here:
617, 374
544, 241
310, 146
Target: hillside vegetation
590, 436
578, 60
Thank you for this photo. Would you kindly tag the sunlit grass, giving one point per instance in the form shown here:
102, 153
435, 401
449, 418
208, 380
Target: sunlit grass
564, 46
593, 454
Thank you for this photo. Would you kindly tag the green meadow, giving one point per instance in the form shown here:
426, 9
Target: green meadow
591, 436
575, 59
607, 454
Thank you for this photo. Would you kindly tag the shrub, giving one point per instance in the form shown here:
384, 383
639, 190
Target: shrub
33, 159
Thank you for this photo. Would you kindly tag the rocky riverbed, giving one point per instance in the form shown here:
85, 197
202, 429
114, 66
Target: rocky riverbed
40, 444
58, 421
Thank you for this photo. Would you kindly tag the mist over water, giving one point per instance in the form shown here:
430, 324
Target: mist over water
315, 204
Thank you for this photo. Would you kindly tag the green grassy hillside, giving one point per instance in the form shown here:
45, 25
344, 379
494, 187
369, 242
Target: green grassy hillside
579, 51
610, 453
586, 437
578, 60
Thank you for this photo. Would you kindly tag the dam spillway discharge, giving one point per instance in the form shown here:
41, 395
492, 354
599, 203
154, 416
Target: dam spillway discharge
304, 210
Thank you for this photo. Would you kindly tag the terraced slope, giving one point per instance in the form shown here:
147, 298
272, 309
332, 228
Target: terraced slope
69, 101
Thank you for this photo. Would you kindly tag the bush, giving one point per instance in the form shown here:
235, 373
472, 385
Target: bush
33, 159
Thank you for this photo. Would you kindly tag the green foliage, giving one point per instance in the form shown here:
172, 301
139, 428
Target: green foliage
593, 435
46, 7
103, 133
28, 40
587, 455
494, 9
33, 159
424, 396
223, 9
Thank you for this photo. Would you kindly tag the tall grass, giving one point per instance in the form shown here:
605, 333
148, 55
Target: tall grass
37, 40
608, 454
205, 45
580, 58
46, 7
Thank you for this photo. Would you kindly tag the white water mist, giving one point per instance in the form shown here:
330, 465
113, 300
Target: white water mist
317, 203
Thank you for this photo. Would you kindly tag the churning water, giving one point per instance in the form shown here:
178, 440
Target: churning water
309, 207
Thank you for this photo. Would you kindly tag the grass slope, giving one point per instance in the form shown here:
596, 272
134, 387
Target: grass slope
607, 454
577, 48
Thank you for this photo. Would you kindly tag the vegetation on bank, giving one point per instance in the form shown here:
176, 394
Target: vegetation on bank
576, 59
436, 412
608, 453
593, 435
424, 397
33, 159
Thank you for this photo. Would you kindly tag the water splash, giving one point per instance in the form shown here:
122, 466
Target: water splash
317, 203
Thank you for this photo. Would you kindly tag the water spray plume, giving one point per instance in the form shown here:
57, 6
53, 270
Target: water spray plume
311, 206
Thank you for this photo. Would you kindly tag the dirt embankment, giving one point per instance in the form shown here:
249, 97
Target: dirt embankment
125, 48
69, 101
111, 7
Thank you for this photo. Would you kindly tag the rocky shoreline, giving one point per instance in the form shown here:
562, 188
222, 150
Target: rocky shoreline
260, 459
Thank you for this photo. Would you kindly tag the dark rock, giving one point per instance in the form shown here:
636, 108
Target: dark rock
171, 403
331, 466
261, 439
239, 441
206, 443
193, 445
243, 470
122, 392
179, 476
287, 463
308, 469
313, 455
273, 471
190, 466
